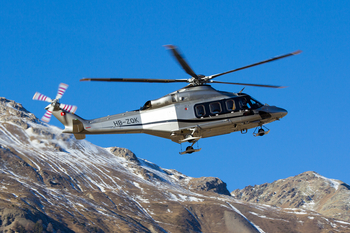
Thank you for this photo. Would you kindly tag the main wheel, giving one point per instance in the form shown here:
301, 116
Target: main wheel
189, 148
261, 132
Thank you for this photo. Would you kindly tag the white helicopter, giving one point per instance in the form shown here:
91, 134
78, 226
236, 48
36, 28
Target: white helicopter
186, 115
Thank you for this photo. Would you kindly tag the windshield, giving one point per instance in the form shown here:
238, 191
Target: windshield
247, 102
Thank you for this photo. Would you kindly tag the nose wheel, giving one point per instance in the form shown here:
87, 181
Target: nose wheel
190, 149
261, 131
191, 138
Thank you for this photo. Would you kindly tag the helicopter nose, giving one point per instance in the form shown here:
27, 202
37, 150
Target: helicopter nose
283, 112
272, 112
279, 112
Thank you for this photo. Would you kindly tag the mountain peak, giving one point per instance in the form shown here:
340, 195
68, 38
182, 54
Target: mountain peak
308, 190
14, 112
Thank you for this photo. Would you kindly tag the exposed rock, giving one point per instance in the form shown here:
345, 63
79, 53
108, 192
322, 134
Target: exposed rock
210, 184
124, 153
14, 112
14, 219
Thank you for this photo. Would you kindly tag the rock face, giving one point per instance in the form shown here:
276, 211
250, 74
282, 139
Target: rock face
308, 190
210, 184
51, 182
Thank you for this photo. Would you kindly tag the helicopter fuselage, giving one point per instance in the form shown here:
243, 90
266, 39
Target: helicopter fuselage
188, 114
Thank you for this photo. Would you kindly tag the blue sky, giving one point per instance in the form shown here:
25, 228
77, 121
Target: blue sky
44, 43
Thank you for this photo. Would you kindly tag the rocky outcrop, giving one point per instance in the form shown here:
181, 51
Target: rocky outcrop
210, 184
124, 153
14, 219
14, 112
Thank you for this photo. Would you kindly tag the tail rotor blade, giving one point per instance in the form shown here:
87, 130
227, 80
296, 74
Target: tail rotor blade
47, 116
61, 89
69, 108
41, 97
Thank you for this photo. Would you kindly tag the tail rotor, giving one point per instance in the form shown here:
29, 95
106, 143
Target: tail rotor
69, 108
47, 116
61, 90
54, 104
41, 97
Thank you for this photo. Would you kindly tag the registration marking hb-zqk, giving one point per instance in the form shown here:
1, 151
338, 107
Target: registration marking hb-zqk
128, 121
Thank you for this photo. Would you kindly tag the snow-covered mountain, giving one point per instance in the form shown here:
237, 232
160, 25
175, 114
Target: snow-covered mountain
51, 182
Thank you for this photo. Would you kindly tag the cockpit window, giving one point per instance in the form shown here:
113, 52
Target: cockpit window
230, 105
246, 102
215, 108
255, 104
242, 103
200, 110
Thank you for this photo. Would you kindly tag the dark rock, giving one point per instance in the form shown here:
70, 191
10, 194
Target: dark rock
210, 184
124, 153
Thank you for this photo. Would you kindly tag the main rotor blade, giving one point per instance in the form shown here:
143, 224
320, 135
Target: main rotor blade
247, 84
181, 60
140, 80
255, 64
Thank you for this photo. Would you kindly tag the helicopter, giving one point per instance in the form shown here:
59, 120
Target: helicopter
189, 114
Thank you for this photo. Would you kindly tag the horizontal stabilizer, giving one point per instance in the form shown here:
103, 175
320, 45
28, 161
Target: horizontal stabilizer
77, 126
79, 136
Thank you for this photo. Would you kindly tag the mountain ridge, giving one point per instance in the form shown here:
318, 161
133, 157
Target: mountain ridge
51, 181
308, 190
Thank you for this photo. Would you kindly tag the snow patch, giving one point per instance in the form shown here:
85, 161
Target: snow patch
263, 216
334, 183
342, 222
137, 185
295, 211
183, 198
143, 200
239, 212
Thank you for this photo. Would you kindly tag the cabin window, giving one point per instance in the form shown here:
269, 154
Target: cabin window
215, 108
230, 105
200, 110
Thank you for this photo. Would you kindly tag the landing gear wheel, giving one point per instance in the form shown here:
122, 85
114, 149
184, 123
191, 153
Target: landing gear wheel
189, 148
262, 130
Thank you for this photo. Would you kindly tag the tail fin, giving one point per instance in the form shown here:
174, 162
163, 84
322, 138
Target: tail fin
73, 123
77, 128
